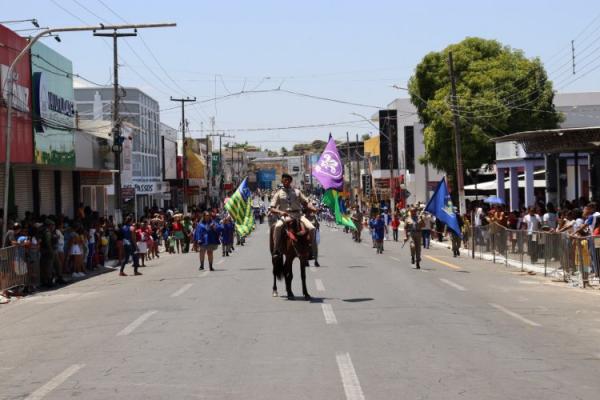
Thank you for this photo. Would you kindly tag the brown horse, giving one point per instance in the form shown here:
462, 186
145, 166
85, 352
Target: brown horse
296, 243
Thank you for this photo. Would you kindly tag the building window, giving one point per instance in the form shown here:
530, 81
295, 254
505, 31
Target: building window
409, 148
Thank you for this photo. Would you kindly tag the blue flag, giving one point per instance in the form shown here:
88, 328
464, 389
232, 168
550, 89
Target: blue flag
441, 206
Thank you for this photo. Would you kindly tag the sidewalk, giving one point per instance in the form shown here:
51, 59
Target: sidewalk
525, 267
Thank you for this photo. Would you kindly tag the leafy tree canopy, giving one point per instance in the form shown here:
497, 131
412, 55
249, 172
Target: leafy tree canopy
499, 91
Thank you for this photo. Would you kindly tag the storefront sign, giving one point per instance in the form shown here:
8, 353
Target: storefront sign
145, 188
22, 138
20, 100
53, 106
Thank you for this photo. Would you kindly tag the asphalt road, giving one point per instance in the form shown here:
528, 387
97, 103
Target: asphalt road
376, 329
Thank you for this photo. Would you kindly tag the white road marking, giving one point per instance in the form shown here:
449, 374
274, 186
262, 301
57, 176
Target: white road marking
514, 315
135, 324
203, 274
529, 282
453, 284
54, 382
319, 285
313, 268
182, 290
330, 318
349, 378
395, 259
220, 262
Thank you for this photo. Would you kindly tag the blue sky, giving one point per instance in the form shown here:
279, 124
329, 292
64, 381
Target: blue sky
348, 50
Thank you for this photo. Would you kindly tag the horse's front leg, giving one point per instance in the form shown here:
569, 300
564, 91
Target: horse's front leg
275, 294
303, 265
289, 275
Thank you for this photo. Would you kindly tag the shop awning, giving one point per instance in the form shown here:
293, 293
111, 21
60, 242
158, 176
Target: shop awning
556, 140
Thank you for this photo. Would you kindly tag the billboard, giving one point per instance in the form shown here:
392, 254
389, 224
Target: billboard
21, 138
388, 129
53, 107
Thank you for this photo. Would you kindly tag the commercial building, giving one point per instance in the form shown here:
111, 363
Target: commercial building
142, 113
413, 181
21, 156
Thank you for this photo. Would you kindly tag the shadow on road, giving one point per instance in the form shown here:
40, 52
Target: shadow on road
358, 300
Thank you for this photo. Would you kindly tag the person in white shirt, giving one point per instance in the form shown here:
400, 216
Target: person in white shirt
532, 223
550, 218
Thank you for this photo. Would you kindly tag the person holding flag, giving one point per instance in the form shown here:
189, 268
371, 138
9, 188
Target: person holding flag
288, 203
239, 207
329, 171
441, 206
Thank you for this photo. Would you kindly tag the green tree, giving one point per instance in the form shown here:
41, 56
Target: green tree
365, 136
499, 91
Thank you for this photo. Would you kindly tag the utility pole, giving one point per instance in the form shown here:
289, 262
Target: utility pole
355, 159
184, 157
349, 166
573, 55
220, 136
116, 123
457, 140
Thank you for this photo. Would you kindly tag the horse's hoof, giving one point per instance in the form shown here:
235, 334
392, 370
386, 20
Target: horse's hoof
307, 297
291, 296
275, 294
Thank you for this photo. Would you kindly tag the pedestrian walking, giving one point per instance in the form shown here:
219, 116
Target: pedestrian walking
426, 231
413, 226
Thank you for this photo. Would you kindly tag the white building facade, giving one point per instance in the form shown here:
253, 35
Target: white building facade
142, 112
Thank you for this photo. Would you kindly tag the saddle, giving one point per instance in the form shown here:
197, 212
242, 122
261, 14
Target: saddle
294, 229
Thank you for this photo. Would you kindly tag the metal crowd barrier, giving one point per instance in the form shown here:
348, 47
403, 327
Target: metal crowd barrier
557, 253
19, 268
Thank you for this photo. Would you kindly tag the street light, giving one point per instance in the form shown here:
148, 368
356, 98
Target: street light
9, 82
17, 21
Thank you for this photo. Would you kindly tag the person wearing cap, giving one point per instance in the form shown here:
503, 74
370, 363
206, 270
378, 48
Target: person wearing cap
10, 239
287, 203
413, 226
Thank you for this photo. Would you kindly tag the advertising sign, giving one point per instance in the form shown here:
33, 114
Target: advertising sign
126, 161
21, 138
215, 162
170, 159
53, 106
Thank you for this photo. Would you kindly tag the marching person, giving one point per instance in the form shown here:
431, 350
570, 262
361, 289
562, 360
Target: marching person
413, 226
357, 218
379, 228
312, 217
207, 236
395, 225
129, 247
287, 203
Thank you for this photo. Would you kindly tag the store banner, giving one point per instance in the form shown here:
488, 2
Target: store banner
53, 106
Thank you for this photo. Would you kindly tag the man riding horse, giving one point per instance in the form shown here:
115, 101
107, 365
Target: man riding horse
288, 203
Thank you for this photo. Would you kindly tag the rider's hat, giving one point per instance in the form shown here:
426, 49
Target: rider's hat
283, 176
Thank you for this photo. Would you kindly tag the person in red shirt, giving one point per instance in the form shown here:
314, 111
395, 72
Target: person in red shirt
395, 226
177, 229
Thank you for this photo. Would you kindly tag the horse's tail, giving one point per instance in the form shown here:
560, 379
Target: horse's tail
278, 267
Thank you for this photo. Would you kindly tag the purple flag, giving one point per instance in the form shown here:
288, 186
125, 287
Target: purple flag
329, 170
